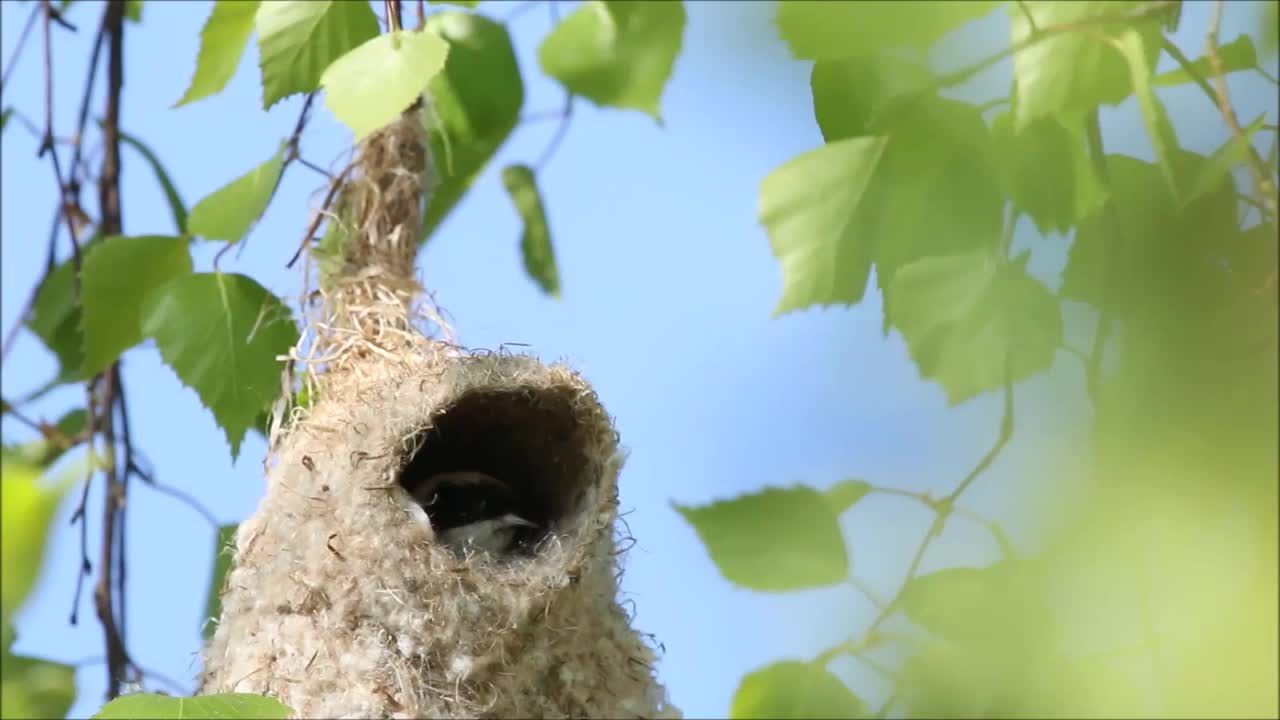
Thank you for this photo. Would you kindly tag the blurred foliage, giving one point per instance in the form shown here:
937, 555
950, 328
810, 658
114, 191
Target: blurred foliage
1155, 591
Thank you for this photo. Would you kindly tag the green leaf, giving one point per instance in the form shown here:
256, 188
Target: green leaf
844, 494
229, 706
808, 206
299, 39
1233, 153
778, 539
31, 688
223, 549
1239, 54
4, 118
965, 316
535, 240
27, 508
978, 607
221, 334
230, 211
116, 276
794, 690
849, 92
133, 10
176, 206
460, 3
371, 85
476, 103
1068, 74
222, 43
1159, 129
616, 54
55, 319
1161, 247
823, 30
1045, 171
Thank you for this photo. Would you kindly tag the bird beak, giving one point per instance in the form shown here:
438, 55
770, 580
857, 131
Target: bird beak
517, 520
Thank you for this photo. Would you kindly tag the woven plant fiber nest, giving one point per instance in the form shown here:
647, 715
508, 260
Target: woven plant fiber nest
342, 601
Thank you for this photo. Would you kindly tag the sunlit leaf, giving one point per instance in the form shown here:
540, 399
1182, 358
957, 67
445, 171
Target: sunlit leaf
1000, 608
798, 690
371, 85
535, 238
230, 706
775, 540
27, 509
972, 321
176, 206
1044, 171
222, 43
223, 547
133, 10
460, 3
299, 39
1068, 74
819, 29
475, 104
808, 206
846, 493
847, 93
1239, 54
221, 334
230, 211
1159, 129
116, 276
616, 53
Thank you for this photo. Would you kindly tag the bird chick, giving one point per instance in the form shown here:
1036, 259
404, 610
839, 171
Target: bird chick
471, 510
496, 535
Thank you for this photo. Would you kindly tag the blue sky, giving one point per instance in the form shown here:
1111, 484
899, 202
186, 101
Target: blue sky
668, 285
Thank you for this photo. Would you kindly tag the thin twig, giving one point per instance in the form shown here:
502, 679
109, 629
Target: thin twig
82, 117
186, 499
17, 415
313, 167
17, 49
1006, 433
1189, 68
565, 118
315, 223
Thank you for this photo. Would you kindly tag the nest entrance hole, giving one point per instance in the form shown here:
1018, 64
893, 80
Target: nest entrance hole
528, 440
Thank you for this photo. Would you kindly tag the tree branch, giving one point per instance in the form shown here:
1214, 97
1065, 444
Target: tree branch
111, 223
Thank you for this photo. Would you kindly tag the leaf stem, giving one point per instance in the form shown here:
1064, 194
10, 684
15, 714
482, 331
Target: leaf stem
1266, 189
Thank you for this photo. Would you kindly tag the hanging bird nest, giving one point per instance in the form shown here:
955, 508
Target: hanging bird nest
344, 599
